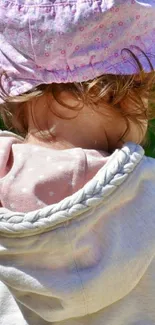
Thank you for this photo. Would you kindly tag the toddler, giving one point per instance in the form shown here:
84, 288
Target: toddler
77, 210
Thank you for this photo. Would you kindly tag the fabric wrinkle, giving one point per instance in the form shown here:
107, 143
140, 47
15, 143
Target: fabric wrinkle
77, 271
31, 40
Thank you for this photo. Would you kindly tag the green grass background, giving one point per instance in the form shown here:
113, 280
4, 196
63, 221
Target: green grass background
149, 149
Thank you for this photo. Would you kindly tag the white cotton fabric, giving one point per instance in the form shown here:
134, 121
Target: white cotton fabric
88, 259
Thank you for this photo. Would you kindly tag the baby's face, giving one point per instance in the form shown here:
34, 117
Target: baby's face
108, 127
101, 128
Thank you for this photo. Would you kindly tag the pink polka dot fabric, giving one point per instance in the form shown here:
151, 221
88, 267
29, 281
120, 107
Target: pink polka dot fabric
32, 177
44, 41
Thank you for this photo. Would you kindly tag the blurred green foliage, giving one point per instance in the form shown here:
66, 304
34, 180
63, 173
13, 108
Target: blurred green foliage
2, 126
150, 146
149, 149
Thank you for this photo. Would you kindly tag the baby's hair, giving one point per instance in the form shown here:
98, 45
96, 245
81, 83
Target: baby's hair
124, 93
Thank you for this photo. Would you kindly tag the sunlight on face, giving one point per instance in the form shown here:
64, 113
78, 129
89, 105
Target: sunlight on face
103, 128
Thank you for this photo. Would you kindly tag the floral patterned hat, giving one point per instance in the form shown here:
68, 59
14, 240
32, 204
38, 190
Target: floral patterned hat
45, 41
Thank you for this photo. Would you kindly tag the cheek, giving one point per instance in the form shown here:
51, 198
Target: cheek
137, 132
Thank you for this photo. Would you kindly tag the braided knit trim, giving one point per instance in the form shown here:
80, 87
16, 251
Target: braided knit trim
121, 163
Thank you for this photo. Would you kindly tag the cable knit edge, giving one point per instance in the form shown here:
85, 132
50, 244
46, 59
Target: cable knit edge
121, 163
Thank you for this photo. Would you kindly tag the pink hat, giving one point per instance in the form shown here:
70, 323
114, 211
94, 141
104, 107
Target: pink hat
45, 41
